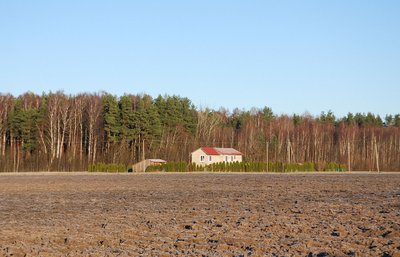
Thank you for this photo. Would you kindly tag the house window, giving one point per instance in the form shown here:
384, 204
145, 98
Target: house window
234, 157
209, 158
226, 158
202, 158
231, 158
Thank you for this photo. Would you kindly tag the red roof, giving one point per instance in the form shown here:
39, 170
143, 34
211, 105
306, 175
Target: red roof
220, 151
210, 150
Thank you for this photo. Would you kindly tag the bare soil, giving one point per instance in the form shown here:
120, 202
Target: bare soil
200, 214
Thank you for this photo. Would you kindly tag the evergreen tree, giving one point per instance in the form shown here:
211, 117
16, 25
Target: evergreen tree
22, 122
111, 118
396, 120
389, 120
359, 119
126, 118
350, 119
146, 120
176, 111
297, 119
328, 117
267, 113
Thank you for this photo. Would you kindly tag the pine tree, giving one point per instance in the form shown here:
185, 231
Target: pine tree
111, 118
126, 118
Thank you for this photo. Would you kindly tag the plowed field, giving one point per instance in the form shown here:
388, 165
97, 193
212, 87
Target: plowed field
199, 214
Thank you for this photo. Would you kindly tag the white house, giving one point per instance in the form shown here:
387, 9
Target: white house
208, 155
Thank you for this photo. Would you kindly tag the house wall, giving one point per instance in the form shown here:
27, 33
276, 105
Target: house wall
196, 158
231, 158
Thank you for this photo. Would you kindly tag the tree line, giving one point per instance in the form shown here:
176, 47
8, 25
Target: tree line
60, 132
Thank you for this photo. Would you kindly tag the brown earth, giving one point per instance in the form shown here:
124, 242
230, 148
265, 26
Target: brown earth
200, 214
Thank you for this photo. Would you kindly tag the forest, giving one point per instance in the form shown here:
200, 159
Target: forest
60, 132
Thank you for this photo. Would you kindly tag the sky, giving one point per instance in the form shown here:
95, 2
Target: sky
292, 56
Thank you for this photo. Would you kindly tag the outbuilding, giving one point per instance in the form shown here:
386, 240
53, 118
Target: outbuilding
142, 166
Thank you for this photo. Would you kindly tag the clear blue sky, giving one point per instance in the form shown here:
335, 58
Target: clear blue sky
293, 56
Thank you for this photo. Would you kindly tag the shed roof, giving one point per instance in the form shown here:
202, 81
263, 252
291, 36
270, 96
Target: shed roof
157, 160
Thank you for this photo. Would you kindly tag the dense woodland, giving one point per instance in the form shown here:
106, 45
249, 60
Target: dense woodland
59, 132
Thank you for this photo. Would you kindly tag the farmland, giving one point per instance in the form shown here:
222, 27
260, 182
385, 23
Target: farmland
82, 214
